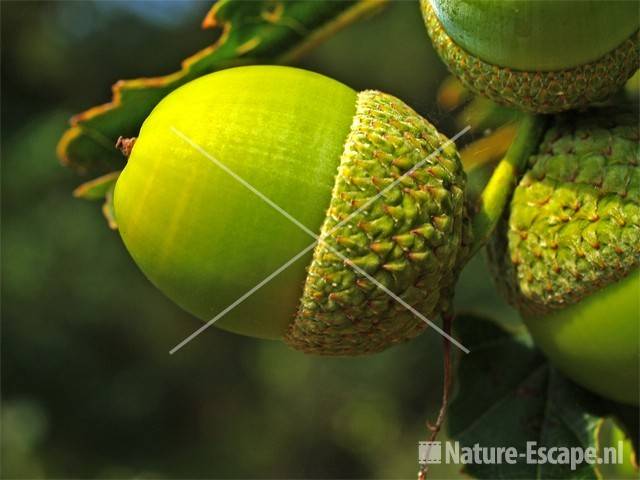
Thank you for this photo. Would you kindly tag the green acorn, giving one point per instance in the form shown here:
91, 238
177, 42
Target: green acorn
537, 56
380, 185
568, 252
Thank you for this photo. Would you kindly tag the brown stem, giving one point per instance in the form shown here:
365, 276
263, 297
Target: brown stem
447, 320
125, 145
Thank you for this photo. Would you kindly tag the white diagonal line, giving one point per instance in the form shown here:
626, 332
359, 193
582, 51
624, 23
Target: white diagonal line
317, 239
242, 298
399, 179
397, 298
241, 180
286, 214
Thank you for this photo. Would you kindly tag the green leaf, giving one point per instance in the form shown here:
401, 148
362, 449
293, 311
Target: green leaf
628, 419
101, 188
509, 395
108, 209
97, 188
261, 31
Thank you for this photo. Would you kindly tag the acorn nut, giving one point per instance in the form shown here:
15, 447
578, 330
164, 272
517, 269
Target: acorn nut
188, 211
568, 252
537, 56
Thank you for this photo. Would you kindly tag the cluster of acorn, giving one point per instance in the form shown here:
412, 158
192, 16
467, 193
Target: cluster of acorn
233, 174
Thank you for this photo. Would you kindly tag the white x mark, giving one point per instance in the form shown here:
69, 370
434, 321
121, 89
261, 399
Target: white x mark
317, 239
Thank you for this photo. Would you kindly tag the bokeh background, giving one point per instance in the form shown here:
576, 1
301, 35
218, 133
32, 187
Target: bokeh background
89, 389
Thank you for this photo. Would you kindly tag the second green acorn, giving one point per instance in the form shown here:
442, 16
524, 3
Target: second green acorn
537, 56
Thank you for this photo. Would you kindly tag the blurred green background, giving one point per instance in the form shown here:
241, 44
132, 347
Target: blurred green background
88, 387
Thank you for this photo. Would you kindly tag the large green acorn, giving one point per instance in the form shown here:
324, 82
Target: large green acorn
538, 56
568, 252
381, 186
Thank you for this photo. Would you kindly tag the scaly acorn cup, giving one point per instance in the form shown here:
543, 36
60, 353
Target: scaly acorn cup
567, 254
188, 211
538, 56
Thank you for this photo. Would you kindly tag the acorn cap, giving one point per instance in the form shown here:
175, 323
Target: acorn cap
409, 240
574, 221
320, 152
524, 54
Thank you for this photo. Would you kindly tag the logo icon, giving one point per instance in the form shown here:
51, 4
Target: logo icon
429, 453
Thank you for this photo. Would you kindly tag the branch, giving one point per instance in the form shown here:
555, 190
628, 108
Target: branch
447, 320
498, 191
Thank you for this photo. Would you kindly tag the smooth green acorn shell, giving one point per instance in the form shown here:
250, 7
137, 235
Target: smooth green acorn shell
595, 342
318, 150
567, 256
538, 56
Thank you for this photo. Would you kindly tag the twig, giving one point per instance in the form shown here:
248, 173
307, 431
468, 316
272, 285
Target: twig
498, 191
447, 320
